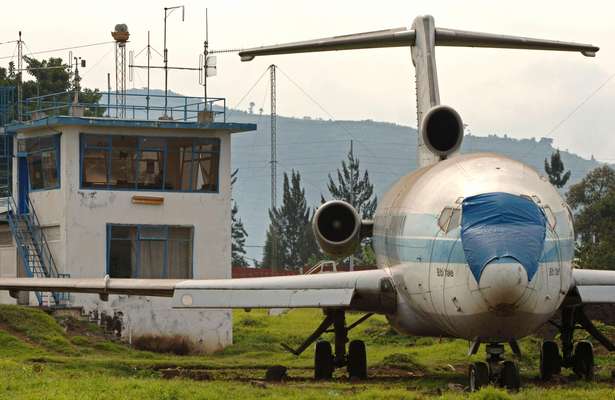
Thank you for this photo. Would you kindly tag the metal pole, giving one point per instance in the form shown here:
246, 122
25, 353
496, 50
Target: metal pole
205, 44
109, 94
166, 62
148, 60
19, 80
274, 244
351, 263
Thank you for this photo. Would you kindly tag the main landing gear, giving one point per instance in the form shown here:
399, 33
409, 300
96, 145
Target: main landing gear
496, 370
580, 356
328, 358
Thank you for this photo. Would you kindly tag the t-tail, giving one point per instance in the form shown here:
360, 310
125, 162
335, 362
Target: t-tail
440, 127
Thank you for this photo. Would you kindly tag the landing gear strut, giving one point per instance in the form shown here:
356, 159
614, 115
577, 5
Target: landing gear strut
579, 357
496, 370
327, 358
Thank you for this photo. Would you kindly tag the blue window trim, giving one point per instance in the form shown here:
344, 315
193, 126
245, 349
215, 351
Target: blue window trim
165, 239
109, 149
56, 147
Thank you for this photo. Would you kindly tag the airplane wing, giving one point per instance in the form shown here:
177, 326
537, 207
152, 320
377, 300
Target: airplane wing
360, 290
594, 286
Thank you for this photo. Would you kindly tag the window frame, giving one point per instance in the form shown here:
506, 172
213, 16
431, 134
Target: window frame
138, 241
55, 146
108, 149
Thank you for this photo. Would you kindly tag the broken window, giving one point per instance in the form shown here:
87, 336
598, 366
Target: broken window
150, 251
150, 163
449, 219
43, 155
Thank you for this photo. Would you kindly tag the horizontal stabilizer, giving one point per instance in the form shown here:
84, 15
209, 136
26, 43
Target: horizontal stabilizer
402, 37
454, 37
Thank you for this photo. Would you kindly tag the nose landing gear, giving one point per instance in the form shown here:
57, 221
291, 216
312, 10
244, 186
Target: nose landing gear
495, 370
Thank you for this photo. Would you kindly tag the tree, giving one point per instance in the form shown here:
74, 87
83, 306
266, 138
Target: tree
289, 233
593, 200
52, 76
238, 232
353, 188
555, 169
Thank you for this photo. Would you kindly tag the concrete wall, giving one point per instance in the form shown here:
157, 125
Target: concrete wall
81, 247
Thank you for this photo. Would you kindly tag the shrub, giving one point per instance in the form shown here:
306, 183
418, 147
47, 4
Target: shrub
176, 344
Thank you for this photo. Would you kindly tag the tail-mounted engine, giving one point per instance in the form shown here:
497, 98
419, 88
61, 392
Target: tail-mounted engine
338, 228
442, 130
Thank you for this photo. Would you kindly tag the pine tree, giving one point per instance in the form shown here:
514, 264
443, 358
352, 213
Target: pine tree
353, 188
290, 227
238, 232
555, 170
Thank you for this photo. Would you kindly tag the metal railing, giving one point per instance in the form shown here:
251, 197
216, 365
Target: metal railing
138, 106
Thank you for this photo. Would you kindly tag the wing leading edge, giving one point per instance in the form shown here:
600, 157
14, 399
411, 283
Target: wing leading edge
594, 286
361, 290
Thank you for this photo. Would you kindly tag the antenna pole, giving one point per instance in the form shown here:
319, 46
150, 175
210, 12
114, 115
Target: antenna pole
19, 80
205, 51
274, 162
167, 12
166, 63
149, 54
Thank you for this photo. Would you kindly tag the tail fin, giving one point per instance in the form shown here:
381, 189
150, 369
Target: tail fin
422, 39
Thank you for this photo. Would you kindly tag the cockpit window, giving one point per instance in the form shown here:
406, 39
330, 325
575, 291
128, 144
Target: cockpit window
449, 219
550, 217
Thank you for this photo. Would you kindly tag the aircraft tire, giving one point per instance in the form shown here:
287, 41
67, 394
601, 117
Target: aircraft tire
550, 360
509, 376
323, 361
478, 375
357, 360
584, 360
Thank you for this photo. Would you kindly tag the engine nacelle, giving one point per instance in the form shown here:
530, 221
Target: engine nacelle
337, 228
442, 130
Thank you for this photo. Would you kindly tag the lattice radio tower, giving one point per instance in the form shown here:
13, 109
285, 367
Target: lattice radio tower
274, 164
120, 35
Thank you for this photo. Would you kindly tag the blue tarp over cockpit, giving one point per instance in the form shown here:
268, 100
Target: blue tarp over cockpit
499, 225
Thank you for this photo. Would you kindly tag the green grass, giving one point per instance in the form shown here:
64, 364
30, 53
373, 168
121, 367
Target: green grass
41, 358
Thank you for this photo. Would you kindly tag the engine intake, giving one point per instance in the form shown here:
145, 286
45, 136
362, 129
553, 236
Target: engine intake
337, 228
442, 130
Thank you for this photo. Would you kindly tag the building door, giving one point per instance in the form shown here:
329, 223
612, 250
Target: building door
23, 185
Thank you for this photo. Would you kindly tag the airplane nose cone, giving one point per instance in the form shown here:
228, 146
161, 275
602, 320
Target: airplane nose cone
502, 283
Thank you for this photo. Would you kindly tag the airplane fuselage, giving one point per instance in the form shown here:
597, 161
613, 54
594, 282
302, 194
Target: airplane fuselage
433, 251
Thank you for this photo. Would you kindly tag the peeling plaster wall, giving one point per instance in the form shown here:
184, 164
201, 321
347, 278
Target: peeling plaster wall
81, 249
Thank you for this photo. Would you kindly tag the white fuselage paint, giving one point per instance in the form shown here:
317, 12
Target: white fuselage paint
437, 293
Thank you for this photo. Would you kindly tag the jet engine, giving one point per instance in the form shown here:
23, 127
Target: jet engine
337, 228
442, 130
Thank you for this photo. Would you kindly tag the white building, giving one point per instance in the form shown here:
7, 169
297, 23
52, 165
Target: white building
128, 199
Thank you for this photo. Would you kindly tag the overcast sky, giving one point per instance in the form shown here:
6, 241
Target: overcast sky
520, 93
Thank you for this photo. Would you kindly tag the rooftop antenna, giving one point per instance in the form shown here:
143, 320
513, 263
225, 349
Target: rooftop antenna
121, 35
207, 64
19, 80
168, 11
148, 66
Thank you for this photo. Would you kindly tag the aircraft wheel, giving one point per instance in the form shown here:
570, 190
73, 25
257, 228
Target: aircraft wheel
478, 375
357, 360
323, 361
550, 360
584, 360
509, 376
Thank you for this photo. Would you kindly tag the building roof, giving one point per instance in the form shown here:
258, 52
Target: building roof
59, 120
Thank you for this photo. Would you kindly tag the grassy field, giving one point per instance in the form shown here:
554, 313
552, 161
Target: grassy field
45, 358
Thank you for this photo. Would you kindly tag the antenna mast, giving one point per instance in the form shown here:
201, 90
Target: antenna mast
274, 162
121, 35
19, 80
167, 12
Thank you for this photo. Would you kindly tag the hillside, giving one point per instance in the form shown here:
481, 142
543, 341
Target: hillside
316, 148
